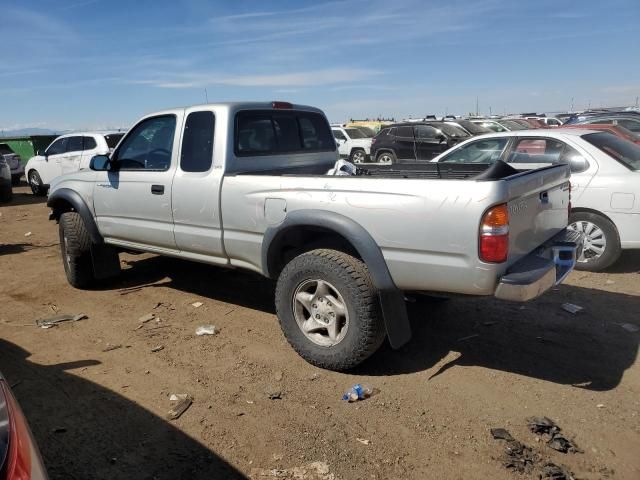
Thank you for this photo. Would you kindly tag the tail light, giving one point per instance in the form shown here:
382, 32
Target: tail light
494, 234
15, 439
281, 105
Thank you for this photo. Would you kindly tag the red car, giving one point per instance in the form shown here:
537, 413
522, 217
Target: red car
617, 130
19, 455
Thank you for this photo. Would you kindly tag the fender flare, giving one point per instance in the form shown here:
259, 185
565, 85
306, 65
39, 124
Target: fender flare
64, 196
394, 310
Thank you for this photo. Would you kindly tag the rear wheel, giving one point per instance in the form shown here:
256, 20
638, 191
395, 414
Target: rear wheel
75, 245
328, 309
601, 242
6, 194
36, 184
386, 158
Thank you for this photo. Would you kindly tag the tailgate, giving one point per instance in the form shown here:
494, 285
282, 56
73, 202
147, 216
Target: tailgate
538, 207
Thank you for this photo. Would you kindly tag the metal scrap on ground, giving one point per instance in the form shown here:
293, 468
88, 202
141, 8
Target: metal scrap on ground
57, 319
571, 308
184, 401
207, 330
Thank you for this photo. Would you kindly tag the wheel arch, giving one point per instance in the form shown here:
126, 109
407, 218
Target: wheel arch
291, 238
594, 212
67, 200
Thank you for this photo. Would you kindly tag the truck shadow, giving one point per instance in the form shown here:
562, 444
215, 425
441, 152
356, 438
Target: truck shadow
629, 262
84, 430
538, 339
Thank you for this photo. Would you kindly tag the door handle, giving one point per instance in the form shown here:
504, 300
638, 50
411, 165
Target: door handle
157, 189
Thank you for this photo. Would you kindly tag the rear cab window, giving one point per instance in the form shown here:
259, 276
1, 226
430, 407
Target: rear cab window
272, 132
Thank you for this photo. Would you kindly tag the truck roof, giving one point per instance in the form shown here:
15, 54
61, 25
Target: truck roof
235, 106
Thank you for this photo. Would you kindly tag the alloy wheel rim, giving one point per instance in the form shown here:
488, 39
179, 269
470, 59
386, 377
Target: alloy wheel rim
320, 312
595, 241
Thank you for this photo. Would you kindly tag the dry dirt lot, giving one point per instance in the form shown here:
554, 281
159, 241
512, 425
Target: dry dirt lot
473, 364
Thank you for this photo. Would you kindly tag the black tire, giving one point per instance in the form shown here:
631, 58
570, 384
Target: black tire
358, 155
612, 248
383, 156
75, 246
37, 187
15, 180
6, 194
351, 279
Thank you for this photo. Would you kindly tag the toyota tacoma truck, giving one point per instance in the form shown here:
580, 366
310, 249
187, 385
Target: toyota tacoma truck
251, 186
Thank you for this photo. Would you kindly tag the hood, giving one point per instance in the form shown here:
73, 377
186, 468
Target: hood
361, 142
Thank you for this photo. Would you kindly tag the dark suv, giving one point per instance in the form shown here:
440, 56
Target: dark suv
415, 141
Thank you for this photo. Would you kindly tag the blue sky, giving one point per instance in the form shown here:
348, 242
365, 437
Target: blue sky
96, 63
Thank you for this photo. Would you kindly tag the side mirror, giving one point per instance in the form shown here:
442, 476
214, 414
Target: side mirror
100, 163
578, 164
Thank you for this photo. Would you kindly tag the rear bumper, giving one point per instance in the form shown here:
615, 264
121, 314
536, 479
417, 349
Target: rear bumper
543, 268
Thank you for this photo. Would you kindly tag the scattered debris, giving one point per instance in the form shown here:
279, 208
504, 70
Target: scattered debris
561, 444
112, 347
630, 327
158, 348
197, 304
519, 457
357, 392
315, 376
55, 320
169, 306
311, 471
274, 394
571, 308
207, 330
147, 318
28, 234
542, 425
501, 434
468, 337
184, 401
363, 441
600, 405
551, 471
278, 376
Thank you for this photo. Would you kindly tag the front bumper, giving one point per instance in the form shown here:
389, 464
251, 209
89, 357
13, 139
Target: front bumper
543, 268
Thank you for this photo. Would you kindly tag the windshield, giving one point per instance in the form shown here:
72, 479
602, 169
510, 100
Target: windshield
512, 125
355, 133
450, 130
622, 150
368, 132
5, 149
474, 128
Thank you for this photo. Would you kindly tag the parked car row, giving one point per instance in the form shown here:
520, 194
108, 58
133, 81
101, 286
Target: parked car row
605, 180
14, 162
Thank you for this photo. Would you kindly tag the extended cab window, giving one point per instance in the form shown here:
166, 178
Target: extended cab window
149, 145
274, 132
197, 142
59, 146
488, 150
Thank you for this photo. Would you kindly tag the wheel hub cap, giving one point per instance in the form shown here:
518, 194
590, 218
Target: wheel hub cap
320, 312
595, 241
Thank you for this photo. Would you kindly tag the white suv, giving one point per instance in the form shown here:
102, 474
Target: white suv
353, 143
66, 154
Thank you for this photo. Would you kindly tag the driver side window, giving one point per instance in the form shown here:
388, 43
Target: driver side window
488, 150
149, 146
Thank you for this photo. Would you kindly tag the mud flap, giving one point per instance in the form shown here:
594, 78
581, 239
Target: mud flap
106, 262
396, 319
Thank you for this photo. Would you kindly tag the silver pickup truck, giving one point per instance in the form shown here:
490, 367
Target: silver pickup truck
246, 185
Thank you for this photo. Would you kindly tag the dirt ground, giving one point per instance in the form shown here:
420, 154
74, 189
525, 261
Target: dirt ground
473, 364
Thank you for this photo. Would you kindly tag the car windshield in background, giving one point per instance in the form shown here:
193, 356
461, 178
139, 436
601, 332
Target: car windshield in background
113, 139
622, 150
474, 128
355, 133
450, 130
5, 149
512, 125
368, 132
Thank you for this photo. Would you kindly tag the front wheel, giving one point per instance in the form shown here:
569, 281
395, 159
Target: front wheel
358, 156
75, 246
328, 309
601, 241
386, 158
36, 184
